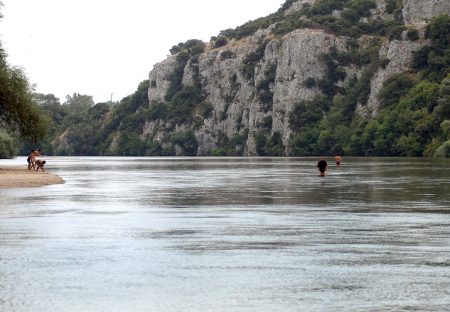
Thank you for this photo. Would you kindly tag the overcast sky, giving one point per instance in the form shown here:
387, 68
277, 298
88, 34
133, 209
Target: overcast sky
104, 47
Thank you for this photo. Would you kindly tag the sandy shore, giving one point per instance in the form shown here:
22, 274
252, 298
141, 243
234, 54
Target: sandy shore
17, 177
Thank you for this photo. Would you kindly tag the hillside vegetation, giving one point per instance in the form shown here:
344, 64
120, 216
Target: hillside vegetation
411, 118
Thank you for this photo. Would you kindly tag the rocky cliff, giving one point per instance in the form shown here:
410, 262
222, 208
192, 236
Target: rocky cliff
250, 85
419, 11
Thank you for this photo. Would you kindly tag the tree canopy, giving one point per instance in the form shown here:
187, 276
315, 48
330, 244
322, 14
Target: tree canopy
18, 113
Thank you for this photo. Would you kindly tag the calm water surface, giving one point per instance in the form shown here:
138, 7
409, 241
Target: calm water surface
228, 234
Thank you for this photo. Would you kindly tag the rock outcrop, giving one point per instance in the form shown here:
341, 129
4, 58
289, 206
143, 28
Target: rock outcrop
294, 58
298, 59
399, 55
298, 5
419, 11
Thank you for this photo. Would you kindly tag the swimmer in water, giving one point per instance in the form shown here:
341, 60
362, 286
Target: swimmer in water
323, 166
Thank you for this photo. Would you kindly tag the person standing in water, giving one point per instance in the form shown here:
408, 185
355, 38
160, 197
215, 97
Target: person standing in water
338, 159
31, 160
323, 166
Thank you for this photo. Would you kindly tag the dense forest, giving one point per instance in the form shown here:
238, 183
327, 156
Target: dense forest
413, 118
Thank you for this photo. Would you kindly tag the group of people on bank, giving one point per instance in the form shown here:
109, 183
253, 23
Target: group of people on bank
322, 165
35, 164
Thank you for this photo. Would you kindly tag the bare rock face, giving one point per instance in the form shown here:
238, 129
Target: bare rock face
298, 61
399, 54
237, 107
418, 11
160, 79
298, 5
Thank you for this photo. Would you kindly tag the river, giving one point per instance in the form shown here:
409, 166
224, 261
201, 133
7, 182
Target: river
228, 234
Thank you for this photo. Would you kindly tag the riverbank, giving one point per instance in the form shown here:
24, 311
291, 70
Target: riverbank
20, 176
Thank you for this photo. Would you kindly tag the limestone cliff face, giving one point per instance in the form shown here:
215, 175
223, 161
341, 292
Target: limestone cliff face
399, 55
298, 5
298, 60
235, 98
237, 108
161, 75
418, 11
414, 11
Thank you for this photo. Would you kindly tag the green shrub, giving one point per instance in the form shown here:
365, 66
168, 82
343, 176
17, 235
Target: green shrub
420, 58
395, 33
266, 123
192, 46
290, 23
408, 145
304, 143
265, 94
363, 86
157, 111
251, 27
362, 7
323, 7
7, 146
351, 15
251, 60
233, 146
220, 42
394, 88
227, 54
261, 143
269, 78
307, 113
443, 150
408, 128
413, 34
186, 140
391, 6
357, 9
438, 30
129, 144
275, 145
219, 151
182, 105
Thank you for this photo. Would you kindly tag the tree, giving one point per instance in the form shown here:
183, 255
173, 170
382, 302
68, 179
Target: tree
78, 103
186, 140
18, 112
51, 106
438, 30
7, 148
394, 88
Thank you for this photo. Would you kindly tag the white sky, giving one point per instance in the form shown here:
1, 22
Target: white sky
99, 47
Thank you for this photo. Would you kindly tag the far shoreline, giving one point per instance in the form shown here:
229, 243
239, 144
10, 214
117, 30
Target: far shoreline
13, 176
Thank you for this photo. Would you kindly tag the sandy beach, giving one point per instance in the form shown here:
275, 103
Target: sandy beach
20, 176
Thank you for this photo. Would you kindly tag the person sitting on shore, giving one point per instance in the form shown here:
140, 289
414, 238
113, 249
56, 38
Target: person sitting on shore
40, 165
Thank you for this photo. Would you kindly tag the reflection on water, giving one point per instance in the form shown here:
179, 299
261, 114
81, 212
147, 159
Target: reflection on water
228, 234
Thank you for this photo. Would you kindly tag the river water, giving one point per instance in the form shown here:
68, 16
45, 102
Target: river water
228, 234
